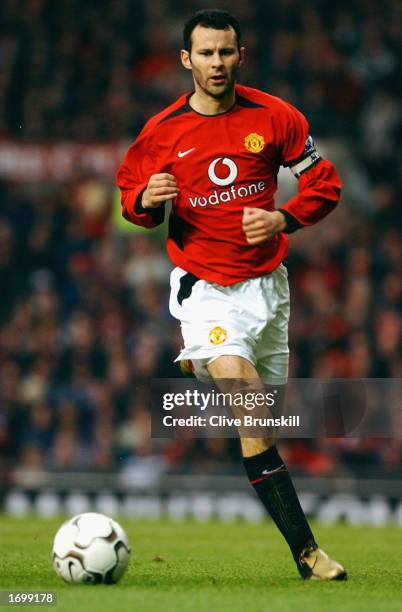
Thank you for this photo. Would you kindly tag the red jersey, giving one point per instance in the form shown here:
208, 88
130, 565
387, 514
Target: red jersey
223, 163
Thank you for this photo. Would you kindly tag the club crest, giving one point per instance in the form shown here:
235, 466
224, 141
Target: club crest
254, 142
217, 335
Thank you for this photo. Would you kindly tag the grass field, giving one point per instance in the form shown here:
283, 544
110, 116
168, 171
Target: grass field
212, 567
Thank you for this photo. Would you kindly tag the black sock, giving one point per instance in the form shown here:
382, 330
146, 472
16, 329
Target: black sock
270, 478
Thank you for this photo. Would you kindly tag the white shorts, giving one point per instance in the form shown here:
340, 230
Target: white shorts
249, 319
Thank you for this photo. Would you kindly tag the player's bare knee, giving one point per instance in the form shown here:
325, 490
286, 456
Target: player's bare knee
232, 367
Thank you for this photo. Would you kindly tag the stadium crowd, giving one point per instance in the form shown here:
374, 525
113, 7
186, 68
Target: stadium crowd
84, 323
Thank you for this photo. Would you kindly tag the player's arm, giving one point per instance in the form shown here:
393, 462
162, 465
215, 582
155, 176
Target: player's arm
319, 183
143, 190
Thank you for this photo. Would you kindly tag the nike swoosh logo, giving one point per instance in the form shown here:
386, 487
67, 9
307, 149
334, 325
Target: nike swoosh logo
183, 153
269, 472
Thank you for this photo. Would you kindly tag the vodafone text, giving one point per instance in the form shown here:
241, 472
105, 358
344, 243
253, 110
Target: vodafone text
228, 195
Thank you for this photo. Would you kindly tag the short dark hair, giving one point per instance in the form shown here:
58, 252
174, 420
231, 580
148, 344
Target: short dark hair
210, 18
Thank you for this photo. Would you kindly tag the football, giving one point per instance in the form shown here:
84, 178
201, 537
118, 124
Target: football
91, 548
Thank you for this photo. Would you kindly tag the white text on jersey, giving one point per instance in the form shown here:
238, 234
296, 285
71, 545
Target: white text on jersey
228, 195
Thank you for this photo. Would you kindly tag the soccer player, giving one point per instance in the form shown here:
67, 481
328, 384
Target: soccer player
215, 154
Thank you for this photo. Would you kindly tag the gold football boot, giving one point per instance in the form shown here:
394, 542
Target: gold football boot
314, 564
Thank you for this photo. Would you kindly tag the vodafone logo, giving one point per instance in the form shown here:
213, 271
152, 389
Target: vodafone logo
227, 169
230, 178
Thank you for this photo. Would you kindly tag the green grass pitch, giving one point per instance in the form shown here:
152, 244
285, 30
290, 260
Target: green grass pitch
189, 566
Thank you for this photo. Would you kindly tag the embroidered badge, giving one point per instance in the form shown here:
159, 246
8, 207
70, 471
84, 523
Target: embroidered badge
254, 142
217, 335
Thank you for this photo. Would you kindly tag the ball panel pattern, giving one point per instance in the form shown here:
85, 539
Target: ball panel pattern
91, 548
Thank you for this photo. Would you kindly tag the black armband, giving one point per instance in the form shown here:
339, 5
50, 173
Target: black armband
306, 161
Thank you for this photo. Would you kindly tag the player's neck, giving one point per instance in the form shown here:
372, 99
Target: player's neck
208, 105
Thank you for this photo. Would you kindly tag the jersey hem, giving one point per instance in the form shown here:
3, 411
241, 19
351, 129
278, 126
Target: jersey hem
220, 278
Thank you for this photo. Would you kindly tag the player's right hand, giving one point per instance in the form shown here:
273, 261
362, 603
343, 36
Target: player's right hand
161, 187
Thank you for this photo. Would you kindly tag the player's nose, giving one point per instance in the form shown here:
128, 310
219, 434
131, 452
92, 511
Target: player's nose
217, 60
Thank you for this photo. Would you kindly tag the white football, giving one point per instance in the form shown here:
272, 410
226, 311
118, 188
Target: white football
91, 548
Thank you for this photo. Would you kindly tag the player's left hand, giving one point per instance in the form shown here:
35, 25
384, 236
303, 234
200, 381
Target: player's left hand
262, 225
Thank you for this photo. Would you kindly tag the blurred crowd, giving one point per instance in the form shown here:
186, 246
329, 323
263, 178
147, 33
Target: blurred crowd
84, 321
98, 69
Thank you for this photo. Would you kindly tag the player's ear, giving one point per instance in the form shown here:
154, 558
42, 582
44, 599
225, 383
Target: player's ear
185, 59
242, 53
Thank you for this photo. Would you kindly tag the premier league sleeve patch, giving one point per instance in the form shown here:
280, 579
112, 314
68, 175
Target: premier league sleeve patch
309, 158
309, 147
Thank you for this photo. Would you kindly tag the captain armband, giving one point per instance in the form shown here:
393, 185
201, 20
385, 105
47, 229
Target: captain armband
309, 159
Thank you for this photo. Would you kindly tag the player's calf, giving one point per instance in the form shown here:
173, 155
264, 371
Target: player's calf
271, 481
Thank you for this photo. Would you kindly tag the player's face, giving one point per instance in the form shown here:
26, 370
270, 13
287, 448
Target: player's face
214, 60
